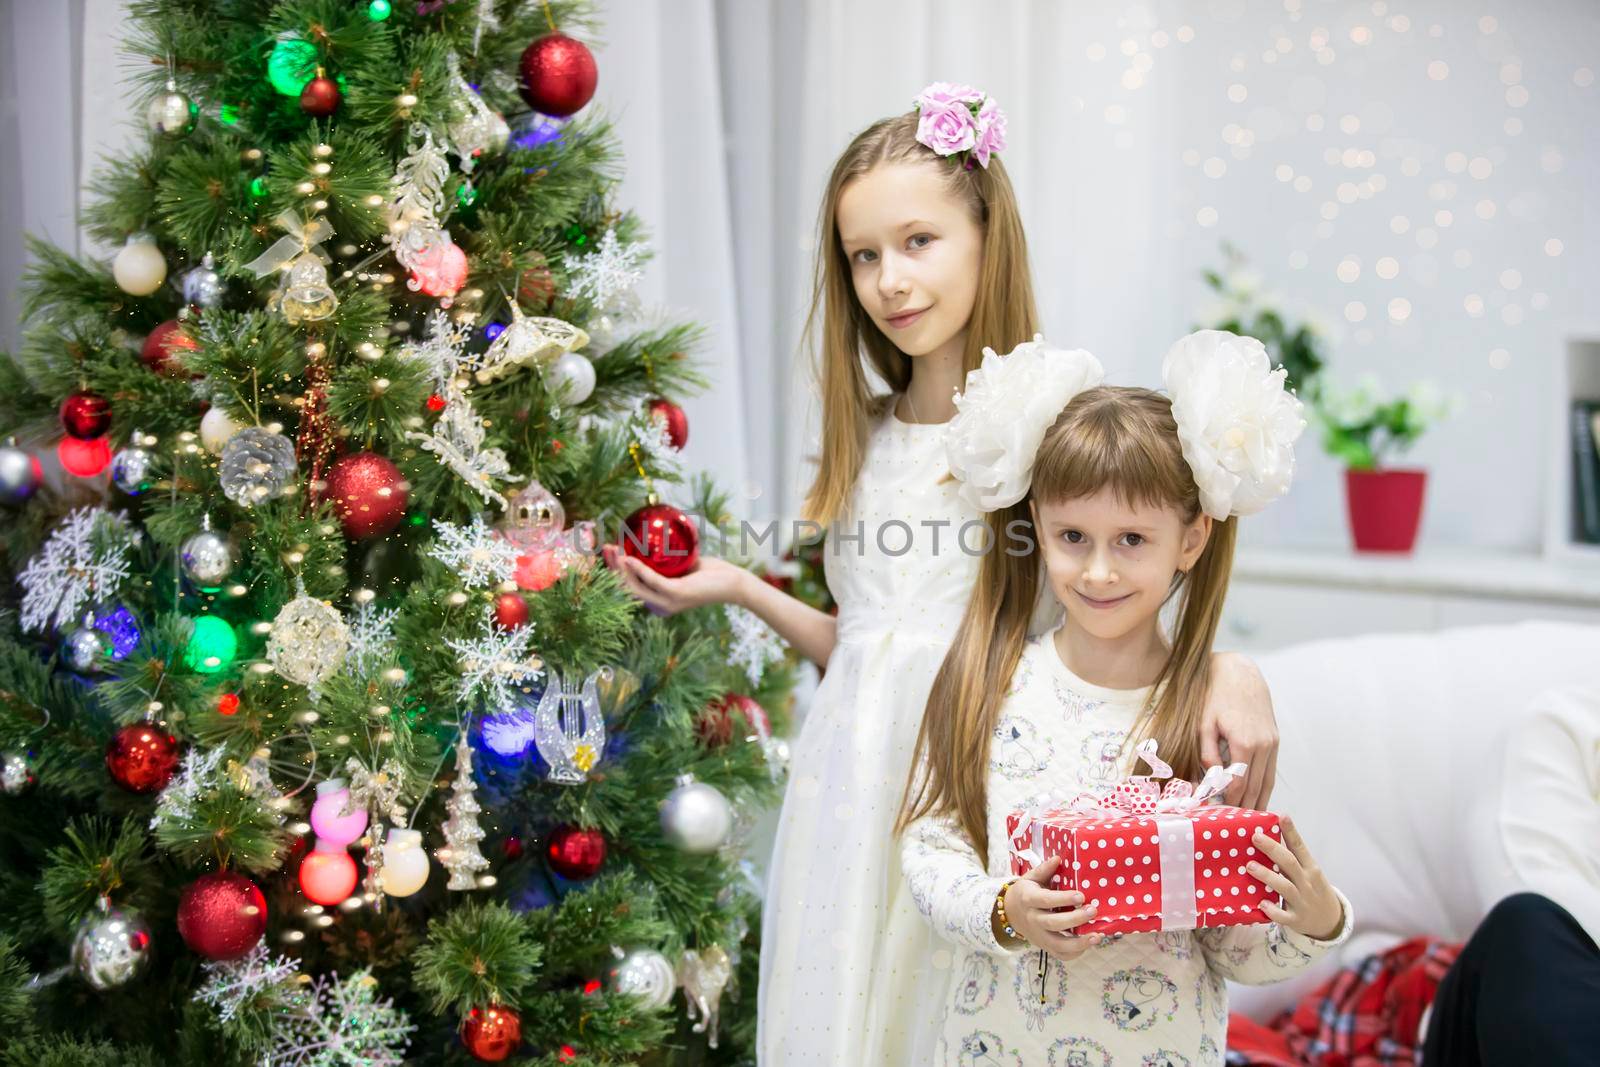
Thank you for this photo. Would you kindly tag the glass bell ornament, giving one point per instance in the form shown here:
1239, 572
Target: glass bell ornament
307, 297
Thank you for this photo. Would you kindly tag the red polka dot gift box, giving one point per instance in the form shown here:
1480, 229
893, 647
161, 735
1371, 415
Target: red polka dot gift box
1152, 857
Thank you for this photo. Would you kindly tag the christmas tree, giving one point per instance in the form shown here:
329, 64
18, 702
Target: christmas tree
325, 737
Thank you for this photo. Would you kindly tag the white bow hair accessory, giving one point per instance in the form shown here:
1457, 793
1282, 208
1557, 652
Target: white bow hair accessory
1237, 422
1002, 415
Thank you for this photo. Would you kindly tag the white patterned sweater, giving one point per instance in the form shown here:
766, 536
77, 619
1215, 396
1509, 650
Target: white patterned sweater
1134, 1000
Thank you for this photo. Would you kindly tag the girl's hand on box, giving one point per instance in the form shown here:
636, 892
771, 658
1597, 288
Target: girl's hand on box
1310, 906
1033, 911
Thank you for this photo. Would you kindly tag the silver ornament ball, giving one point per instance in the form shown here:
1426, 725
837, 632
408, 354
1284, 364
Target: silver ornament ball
85, 649
111, 948
207, 558
19, 477
202, 285
16, 773
171, 114
696, 817
130, 469
646, 974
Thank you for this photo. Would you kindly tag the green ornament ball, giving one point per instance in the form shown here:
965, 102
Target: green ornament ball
292, 64
212, 646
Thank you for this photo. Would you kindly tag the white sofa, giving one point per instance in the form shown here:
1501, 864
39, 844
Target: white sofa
1433, 774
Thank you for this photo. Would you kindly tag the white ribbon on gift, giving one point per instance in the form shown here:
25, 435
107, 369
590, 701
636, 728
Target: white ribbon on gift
1175, 833
301, 237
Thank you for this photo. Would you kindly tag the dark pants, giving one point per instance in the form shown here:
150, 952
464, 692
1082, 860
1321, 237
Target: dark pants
1525, 992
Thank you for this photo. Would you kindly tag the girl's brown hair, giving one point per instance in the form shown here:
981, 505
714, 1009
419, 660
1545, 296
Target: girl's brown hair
1003, 314
1108, 438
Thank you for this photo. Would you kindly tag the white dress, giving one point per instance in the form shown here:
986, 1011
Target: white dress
848, 970
1134, 1000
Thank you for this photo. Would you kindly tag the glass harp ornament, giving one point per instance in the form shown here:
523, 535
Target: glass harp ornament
569, 729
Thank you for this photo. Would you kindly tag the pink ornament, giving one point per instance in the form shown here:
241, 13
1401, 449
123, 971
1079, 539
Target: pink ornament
328, 874
442, 271
333, 822
540, 569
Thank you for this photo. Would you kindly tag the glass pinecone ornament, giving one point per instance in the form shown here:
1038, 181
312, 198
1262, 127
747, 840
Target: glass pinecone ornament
256, 465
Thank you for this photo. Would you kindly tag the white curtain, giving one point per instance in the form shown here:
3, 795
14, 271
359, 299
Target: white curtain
1446, 155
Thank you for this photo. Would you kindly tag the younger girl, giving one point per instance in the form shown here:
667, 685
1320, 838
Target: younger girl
1132, 496
922, 263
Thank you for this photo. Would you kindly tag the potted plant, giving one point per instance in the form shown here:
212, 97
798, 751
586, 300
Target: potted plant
1366, 430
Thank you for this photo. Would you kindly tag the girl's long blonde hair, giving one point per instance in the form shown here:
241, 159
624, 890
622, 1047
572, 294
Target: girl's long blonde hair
1108, 438
1003, 314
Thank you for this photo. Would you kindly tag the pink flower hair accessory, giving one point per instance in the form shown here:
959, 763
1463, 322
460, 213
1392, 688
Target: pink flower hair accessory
958, 120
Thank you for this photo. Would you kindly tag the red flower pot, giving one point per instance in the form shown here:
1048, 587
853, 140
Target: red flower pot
1385, 508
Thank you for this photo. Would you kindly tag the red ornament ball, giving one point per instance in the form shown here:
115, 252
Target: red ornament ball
510, 611
86, 415
369, 492
493, 1033
84, 458
222, 916
328, 876
321, 97
536, 287
664, 538
228, 704
576, 853
672, 418
558, 75
437, 403
734, 714
163, 349
142, 758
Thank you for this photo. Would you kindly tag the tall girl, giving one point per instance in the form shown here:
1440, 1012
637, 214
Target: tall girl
1130, 500
922, 263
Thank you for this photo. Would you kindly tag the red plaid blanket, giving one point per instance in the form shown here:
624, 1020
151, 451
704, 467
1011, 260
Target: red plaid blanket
1366, 1016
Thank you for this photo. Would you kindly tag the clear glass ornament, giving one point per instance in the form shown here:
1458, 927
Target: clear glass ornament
569, 729
462, 857
705, 975
309, 641
534, 518
307, 296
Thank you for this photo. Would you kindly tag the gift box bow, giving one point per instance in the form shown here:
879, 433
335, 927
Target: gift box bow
1139, 795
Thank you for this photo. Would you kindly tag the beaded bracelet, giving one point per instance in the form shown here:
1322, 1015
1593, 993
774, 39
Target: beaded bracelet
1000, 910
